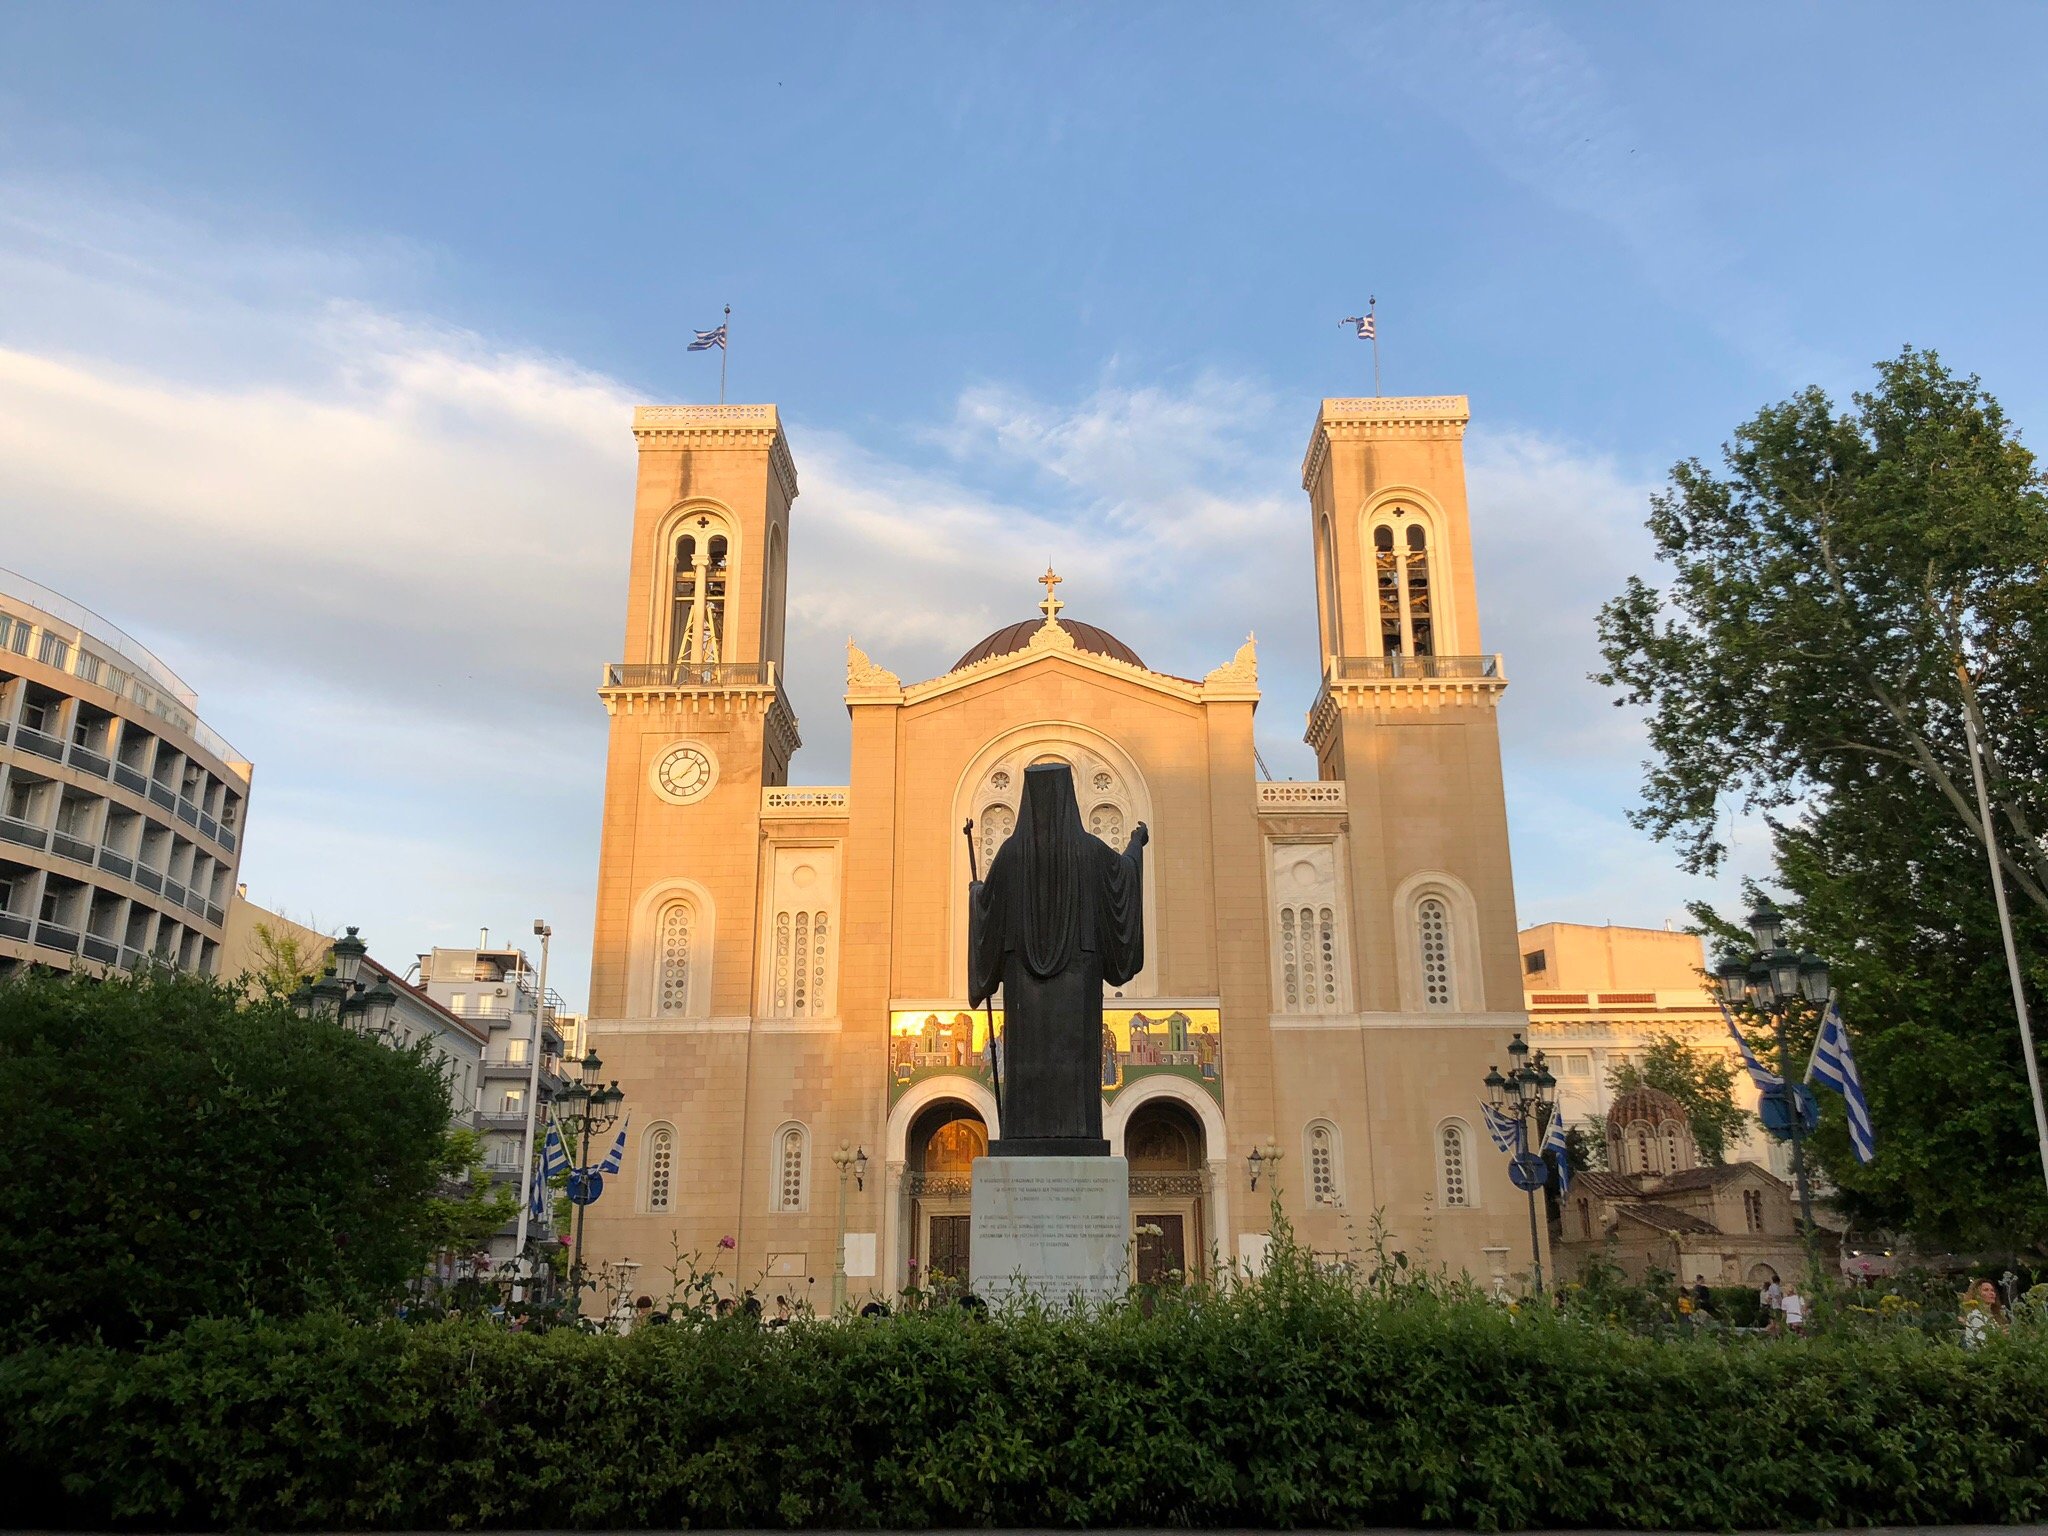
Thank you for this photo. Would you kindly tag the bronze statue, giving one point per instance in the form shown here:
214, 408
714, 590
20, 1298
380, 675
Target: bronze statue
1060, 914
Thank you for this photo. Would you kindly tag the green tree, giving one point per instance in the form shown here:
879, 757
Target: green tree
284, 958
1846, 592
467, 1208
174, 1152
1703, 1084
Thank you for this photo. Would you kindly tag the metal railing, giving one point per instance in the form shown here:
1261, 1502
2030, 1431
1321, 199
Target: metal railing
690, 674
1391, 669
26, 833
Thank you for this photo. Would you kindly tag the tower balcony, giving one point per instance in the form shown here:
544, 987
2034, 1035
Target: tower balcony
1403, 683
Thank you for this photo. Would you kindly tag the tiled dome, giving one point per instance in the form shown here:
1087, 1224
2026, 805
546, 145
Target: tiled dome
1015, 637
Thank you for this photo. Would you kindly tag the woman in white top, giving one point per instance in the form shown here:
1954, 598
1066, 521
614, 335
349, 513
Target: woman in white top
1794, 1306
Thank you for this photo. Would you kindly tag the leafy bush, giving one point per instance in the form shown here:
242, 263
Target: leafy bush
173, 1152
1301, 1402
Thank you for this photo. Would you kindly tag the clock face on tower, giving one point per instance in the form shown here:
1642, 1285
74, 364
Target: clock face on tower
685, 772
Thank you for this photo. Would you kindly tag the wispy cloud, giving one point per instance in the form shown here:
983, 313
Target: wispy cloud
391, 555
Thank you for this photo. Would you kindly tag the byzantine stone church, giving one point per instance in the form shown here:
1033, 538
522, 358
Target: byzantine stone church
779, 976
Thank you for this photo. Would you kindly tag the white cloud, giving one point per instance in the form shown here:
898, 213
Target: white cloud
391, 556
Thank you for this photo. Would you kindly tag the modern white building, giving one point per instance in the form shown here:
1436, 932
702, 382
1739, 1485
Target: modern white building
121, 813
497, 991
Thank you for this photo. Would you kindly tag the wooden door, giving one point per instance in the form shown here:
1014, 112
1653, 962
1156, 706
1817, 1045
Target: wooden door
1162, 1259
947, 1248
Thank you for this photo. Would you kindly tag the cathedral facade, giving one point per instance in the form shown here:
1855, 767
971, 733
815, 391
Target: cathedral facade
779, 972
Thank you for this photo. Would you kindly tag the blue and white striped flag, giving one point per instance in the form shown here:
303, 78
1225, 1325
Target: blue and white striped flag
1505, 1130
1367, 329
1834, 1066
537, 1200
1554, 1142
706, 340
616, 1158
1757, 1074
554, 1157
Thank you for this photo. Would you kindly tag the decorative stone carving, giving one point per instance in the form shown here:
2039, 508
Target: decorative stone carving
863, 675
1242, 670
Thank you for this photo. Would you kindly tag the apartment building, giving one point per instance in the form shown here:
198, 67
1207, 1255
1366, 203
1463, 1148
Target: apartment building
121, 812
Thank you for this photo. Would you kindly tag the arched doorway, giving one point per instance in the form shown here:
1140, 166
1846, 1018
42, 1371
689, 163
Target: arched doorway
943, 1141
1164, 1145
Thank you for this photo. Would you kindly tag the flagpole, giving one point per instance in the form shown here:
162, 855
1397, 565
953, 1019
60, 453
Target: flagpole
724, 352
2012, 954
1372, 305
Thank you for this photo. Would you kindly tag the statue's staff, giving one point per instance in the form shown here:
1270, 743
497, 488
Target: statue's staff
995, 1070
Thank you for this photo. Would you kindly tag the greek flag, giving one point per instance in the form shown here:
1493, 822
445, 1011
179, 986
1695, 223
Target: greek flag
554, 1157
537, 1202
1834, 1066
615, 1159
1505, 1130
1757, 1074
706, 340
1553, 1141
1367, 331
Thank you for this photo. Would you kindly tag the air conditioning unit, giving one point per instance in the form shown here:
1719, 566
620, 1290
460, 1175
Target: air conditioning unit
501, 991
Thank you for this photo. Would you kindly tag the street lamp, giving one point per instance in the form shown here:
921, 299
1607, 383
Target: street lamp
1522, 1094
1774, 984
1264, 1158
341, 997
586, 1106
846, 1160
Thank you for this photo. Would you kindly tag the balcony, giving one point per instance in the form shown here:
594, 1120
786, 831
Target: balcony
85, 760
161, 795
14, 926
57, 936
104, 950
116, 863
1302, 795
690, 675
40, 743
789, 802
1413, 669
503, 1067
27, 833
67, 846
501, 1119
148, 878
130, 780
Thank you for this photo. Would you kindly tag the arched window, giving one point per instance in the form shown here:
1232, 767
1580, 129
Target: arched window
997, 823
1585, 1217
661, 1168
1333, 610
1643, 1162
1401, 578
1433, 934
674, 934
1322, 1163
792, 1154
1452, 1175
702, 556
1672, 1164
775, 616
1107, 823
1753, 1209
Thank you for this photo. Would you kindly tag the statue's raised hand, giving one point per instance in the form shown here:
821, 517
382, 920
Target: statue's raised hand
1140, 836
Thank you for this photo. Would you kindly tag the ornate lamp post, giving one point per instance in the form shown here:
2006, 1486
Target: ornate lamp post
846, 1160
1774, 985
341, 997
1522, 1095
585, 1107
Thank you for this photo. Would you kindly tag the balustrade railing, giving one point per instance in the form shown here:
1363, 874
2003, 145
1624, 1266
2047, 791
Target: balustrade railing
1288, 794
690, 674
1407, 669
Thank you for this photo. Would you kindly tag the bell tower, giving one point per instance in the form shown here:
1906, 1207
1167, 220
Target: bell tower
710, 536
700, 726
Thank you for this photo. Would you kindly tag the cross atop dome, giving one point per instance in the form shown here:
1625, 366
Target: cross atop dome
1052, 605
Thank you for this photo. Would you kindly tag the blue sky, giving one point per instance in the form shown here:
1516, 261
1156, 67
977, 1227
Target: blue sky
318, 326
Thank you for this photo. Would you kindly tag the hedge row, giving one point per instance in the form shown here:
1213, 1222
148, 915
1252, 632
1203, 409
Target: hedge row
1248, 1411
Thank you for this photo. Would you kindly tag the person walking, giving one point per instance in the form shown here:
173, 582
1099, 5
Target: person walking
1770, 1300
1793, 1307
1702, 1298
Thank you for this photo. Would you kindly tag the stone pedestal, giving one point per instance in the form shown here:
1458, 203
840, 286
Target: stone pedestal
1053, 1227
